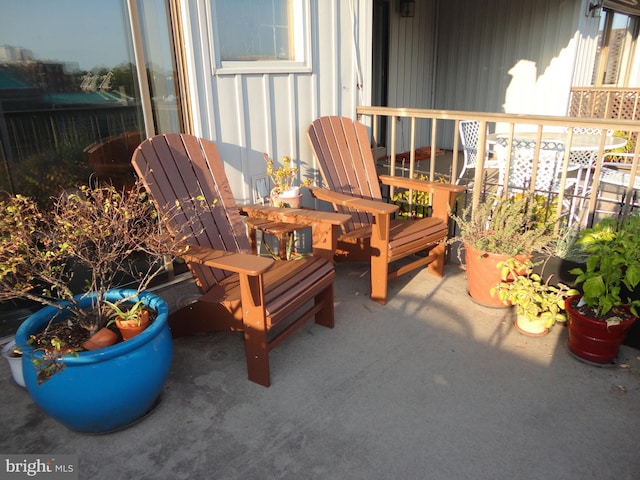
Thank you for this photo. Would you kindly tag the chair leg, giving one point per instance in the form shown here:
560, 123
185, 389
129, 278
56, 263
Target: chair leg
253, 240
379, 279
257, 354
325, 316
437, 266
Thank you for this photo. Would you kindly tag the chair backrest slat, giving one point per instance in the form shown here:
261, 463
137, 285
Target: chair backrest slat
343, 152
183, 168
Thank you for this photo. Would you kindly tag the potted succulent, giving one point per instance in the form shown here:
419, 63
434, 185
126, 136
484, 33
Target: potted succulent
111, 236
498, 229
600, 317
539, 305
285, 193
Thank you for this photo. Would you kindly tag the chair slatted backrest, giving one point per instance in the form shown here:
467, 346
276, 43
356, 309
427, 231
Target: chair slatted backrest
343, 152
469, 132
182, 168
549, 164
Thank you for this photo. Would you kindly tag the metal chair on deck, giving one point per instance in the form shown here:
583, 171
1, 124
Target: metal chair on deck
469, 134
548, 168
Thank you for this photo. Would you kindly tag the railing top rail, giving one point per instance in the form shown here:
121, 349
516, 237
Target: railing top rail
546, 120
606, 89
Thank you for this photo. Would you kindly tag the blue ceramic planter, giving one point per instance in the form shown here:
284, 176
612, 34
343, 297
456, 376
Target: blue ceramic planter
107, 389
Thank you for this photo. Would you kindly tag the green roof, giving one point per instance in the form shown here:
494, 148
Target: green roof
9, 82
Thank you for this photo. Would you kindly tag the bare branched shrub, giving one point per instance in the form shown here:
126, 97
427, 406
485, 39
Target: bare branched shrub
112, 234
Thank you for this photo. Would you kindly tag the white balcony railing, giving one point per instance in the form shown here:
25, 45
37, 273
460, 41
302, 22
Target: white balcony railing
443, 126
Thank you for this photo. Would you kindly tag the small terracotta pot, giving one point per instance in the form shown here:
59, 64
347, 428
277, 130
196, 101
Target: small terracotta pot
131, 328
101, 339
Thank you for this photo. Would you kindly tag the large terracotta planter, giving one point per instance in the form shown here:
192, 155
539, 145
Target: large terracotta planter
593, 340
107, 389
482, 274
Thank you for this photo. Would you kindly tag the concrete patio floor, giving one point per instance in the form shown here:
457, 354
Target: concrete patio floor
430, 386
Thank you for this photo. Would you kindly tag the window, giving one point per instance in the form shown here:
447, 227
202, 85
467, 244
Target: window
265, 36
616, 37
70, 102
71, 108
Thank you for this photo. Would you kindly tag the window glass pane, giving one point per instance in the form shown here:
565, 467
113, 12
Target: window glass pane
70, 103
161, 67
619, 29
70, 107
250, 30
613, 48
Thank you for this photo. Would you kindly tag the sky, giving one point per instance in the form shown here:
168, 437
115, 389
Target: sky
89, 32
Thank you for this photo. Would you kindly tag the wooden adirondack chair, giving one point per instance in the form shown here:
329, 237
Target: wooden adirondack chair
343, 152
265, 299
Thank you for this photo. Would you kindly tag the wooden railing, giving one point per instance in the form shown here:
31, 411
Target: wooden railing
605, 103
442, 121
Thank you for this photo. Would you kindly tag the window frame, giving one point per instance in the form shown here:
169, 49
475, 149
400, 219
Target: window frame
302, 47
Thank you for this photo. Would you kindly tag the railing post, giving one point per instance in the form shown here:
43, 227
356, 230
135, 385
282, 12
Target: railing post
392, 153
455, 153
479, 170
432, 160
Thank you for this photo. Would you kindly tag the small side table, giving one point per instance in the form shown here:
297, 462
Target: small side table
281, 230
325, 226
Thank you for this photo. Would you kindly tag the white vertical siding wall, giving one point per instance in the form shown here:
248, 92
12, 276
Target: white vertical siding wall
249, 114
411, 68
514, 56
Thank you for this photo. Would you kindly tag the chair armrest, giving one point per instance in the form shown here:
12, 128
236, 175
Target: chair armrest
241, 263
421, 185
375, 207
298, 216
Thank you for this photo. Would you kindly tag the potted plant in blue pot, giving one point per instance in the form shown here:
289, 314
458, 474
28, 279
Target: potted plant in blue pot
99, 237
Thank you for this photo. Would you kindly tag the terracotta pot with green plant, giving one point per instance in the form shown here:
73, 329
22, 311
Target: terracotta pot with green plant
498, 229
539, 305
69, 258
601, 316
131, 319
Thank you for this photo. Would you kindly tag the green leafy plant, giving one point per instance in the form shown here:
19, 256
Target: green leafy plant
128, 313
532, 298
505, 225
613, 262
